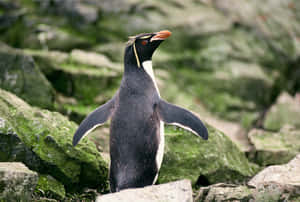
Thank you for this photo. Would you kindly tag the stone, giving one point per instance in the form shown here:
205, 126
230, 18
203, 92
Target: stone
17, 182
93, 59
51, 37
231, 192
287, 175
203, 162
71, 9
179, 191
51, 188
224, 192
42, 140
78, 78
286, 110
275, 19
20, 75
270, 148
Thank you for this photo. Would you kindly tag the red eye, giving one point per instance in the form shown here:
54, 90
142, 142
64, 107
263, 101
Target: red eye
144, 42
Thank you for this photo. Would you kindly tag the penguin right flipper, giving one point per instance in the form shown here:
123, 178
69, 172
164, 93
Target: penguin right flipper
93, 120
171, 114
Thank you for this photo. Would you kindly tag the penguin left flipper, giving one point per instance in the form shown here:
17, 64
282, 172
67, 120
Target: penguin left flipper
93, 120
171, 114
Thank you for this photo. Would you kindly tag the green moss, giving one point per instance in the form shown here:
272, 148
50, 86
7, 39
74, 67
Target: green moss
188, 156
49, 187
49, 136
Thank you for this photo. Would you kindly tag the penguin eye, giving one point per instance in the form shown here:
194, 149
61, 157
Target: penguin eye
144, 42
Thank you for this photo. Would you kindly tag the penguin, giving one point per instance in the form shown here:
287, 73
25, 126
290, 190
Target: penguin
138, 114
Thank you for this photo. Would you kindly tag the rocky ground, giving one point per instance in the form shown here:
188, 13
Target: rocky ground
234, 63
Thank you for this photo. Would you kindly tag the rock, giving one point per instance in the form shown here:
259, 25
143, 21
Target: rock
231, 192
203, 162
73, 9
274, 20
286, 175
51, 188
93, 59
20, 75
224, 192
17, 182
42, 140
74, 78
114, 50
179, 191
58, 39
274, 148
286, 110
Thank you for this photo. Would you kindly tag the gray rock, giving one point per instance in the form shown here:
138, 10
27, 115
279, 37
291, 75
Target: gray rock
270, 191
51, 37
80, 10
270, 148
20, 75
224, 192
287, 175
286, 110
179, 191
17, 182
93, 59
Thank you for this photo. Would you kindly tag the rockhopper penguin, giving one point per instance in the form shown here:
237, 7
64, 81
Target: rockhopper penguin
138, 115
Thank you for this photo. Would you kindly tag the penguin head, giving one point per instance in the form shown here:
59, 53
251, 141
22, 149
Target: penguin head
141, 47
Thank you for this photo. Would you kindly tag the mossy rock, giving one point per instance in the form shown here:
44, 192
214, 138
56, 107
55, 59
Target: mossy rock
286, 110
49, 187
203, 162
84, 82
20, 75
272, 148
47, 139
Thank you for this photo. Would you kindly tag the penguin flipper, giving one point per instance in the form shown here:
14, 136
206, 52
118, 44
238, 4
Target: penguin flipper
93, 120
171, 114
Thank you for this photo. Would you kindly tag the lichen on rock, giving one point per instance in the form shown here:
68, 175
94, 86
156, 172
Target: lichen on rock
47, 138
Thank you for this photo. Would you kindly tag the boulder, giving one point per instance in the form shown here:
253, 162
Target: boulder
275, 20
20, 75
278, 183
179, 191
203, 162
270, 148
79, 10
232, 192
93, 59
51, 188
88, 77
17, 182
286, 110
224, 192
286, 175
51, 37
42, 140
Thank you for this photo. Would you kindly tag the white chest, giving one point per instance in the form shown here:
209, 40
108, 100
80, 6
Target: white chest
160, 152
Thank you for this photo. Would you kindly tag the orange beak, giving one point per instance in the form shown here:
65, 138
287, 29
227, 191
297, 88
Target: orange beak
162, 35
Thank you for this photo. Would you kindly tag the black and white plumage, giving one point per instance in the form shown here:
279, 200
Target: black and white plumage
138, 115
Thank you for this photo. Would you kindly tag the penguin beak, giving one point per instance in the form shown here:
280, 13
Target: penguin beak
162, 35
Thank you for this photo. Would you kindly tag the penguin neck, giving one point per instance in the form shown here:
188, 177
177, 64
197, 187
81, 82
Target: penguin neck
147, 65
